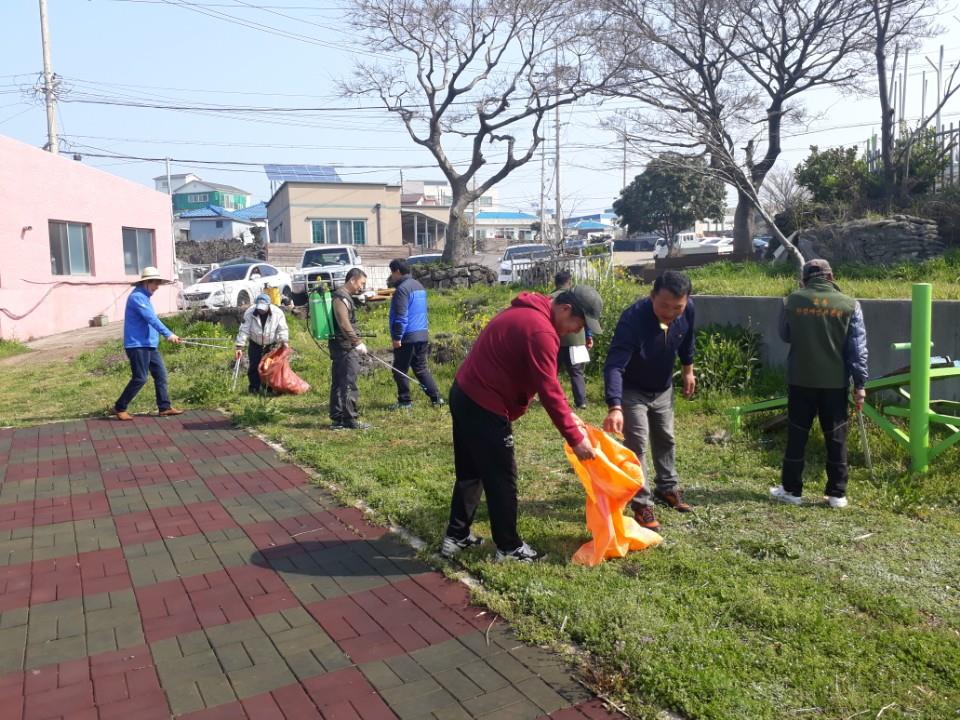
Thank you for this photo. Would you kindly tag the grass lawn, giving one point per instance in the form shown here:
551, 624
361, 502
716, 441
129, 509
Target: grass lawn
748, 610
12, 347
862, 282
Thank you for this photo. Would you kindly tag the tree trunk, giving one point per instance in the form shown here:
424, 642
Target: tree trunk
743, 227
886, 129
456, 248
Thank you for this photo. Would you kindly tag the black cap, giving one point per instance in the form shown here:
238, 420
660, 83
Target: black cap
817, 267
586, 301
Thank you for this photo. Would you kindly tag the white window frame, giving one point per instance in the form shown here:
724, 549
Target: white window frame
63, 244
139, 263
198, 198
336, 223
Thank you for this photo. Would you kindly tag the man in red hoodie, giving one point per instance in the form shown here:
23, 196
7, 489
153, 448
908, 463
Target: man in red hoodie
513, 359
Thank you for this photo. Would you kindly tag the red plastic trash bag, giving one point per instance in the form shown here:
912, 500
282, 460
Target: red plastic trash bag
611, 480
276, 373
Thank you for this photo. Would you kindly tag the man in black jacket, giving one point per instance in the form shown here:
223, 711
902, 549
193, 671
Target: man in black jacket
346, 347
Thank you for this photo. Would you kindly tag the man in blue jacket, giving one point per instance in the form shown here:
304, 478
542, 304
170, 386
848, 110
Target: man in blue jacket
141, 336
409, 330
638, 376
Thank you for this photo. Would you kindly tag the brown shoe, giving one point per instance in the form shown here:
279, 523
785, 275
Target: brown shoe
121, 414
645, 518
170, 411
673, 498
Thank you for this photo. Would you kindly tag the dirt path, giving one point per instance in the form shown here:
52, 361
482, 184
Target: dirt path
66, 346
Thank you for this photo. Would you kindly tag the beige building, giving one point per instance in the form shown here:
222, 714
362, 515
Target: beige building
335, 213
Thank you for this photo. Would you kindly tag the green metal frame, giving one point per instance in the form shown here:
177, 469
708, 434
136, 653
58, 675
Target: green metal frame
918, 411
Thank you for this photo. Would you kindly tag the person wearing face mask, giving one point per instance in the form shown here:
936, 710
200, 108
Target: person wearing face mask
141, 336
265, 326
513, 359
638, 377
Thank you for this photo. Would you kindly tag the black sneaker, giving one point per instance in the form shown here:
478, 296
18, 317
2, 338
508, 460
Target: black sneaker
452, 546
402, 406
524, 554
356, 426
439, 402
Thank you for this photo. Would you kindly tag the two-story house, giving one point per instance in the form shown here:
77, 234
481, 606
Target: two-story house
197, 194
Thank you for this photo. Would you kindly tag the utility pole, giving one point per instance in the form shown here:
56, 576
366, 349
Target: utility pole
173, 223
543, 167
473, 219
556, 178
49, 93
939, 70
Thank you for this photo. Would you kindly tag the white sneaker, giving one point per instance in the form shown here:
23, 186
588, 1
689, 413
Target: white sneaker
451, 546
837, 502
524, 553
781, 495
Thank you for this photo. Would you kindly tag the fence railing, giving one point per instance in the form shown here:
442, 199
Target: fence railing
947, 142
586, 269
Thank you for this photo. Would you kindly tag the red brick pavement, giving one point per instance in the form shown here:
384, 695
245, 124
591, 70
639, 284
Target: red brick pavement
401, 614
118, 685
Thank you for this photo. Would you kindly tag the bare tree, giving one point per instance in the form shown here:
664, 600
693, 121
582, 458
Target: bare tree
723, 77
481, 71
781, 192
900, 23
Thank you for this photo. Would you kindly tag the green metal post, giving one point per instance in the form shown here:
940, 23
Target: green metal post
921, 312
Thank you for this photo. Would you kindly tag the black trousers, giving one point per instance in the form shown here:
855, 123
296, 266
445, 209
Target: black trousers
484, 463
803, 405
576, 376
255, 353
343, 385
413, 355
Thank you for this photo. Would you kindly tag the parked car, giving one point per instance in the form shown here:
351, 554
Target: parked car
517, 257
233, 285
635, 244
424, 259
688, 246
323, 265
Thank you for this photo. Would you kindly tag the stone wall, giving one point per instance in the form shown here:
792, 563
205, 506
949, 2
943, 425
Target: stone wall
432, 276
900, 238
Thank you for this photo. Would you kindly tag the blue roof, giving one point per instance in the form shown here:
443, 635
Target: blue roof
254, 212
587, 225
215, 211
505, 216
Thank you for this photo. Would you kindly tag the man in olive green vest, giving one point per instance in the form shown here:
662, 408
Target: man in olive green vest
346, 347
828, 348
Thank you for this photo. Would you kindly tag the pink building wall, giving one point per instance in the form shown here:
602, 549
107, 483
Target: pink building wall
36, 187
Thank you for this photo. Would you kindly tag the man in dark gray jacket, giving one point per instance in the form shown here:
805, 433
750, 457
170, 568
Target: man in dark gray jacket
346, 347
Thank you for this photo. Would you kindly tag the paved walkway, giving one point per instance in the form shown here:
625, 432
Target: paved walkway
177, 567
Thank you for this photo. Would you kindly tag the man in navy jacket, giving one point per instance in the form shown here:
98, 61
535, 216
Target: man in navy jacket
638, 374
409, 330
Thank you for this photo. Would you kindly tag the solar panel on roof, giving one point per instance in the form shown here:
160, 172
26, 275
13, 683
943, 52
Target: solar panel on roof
301, 173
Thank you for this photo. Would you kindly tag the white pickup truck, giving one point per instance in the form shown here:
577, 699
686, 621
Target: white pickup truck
322, 265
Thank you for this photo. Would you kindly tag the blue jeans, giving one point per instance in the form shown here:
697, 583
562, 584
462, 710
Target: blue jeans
142, 362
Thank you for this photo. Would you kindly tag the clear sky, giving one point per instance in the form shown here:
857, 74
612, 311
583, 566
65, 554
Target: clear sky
290, 53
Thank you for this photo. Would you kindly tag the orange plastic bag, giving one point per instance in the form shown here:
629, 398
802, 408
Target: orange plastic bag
276, 373
611, 480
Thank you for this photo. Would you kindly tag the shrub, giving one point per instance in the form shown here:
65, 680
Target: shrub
727, 360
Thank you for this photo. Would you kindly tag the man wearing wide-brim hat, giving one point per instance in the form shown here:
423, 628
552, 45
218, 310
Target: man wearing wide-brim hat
141, 336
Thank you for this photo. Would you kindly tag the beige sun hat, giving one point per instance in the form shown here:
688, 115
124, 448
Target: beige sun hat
150, 273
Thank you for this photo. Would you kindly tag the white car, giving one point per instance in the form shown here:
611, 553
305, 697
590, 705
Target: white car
518, 257
233, 286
